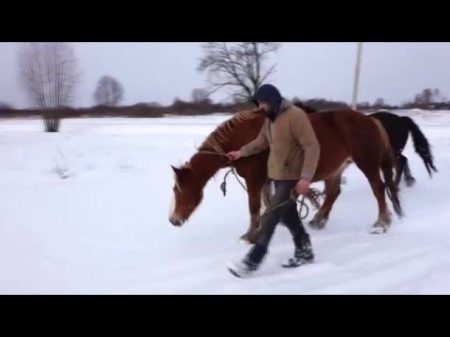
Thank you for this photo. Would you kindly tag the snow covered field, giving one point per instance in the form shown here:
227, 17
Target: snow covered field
104, 228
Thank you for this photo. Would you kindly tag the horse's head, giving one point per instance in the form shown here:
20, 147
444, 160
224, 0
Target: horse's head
188, 193
191, 178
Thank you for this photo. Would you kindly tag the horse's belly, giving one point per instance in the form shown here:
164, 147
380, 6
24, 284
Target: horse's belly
333, 157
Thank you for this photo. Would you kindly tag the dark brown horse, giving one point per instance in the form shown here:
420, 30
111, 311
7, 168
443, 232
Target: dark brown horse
398, 129
342, 134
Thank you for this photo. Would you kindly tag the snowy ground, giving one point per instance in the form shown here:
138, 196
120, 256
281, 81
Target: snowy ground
104, 229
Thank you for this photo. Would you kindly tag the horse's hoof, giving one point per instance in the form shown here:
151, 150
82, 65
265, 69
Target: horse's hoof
318, 224
378, 230
410, 182
244, 242
247, 238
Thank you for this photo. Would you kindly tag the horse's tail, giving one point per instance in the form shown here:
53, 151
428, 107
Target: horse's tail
388, 165
421, 145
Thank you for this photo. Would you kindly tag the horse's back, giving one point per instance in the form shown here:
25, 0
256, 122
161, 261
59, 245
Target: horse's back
335, 146
341, 123
395, 126
344, 134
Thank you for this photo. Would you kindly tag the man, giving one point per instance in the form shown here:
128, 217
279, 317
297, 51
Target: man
293, 159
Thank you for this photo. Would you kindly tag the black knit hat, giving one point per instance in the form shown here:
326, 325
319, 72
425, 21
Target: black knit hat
270, 94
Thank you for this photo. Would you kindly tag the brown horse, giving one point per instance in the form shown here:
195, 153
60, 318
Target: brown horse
343, 134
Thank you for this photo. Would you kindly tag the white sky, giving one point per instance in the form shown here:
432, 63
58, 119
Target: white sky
162, 71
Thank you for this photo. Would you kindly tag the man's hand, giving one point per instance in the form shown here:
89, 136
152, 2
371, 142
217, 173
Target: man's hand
234, 155
302, 187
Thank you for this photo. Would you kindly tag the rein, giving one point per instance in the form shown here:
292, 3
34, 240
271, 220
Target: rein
269, 210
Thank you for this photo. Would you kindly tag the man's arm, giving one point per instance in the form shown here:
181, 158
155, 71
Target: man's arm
259, 144
304, 133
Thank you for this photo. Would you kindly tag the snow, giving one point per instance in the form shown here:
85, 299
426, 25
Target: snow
85, 211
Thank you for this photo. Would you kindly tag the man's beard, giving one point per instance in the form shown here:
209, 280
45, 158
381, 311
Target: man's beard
271, 114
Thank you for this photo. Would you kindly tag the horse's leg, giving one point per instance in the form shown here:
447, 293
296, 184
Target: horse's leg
384, 218
409, 179
313, 196
372, 173
401, 160
348, 162
254, 190
400, 169
332, 191
254, 171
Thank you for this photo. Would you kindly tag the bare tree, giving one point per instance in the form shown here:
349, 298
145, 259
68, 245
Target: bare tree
154, 104
364, 105
379, 102
5, 106
438, 96
426, 97
200, 95
436, 93
49, 74
238, 66
109, 91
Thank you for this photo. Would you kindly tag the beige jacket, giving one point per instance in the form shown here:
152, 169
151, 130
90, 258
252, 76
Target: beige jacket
294, 148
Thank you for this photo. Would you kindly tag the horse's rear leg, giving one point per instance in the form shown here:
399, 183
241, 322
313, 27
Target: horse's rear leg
401, 161
332, 191
384, 218
409, 179
373, 175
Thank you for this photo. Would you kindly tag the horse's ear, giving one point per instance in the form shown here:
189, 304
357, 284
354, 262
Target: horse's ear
175, 170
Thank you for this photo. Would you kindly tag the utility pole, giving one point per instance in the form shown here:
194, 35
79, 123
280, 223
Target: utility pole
357, 72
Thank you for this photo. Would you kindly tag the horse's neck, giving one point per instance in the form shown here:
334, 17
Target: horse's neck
206, 165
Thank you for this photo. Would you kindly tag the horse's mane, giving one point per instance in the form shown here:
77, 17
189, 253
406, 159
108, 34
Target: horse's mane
221, 133
305, 107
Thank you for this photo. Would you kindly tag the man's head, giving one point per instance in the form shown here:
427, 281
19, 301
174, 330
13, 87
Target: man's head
268, 99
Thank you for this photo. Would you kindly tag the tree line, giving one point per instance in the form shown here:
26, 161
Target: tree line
49, 73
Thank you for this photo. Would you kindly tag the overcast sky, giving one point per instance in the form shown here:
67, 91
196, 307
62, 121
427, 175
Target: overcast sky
162, 71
